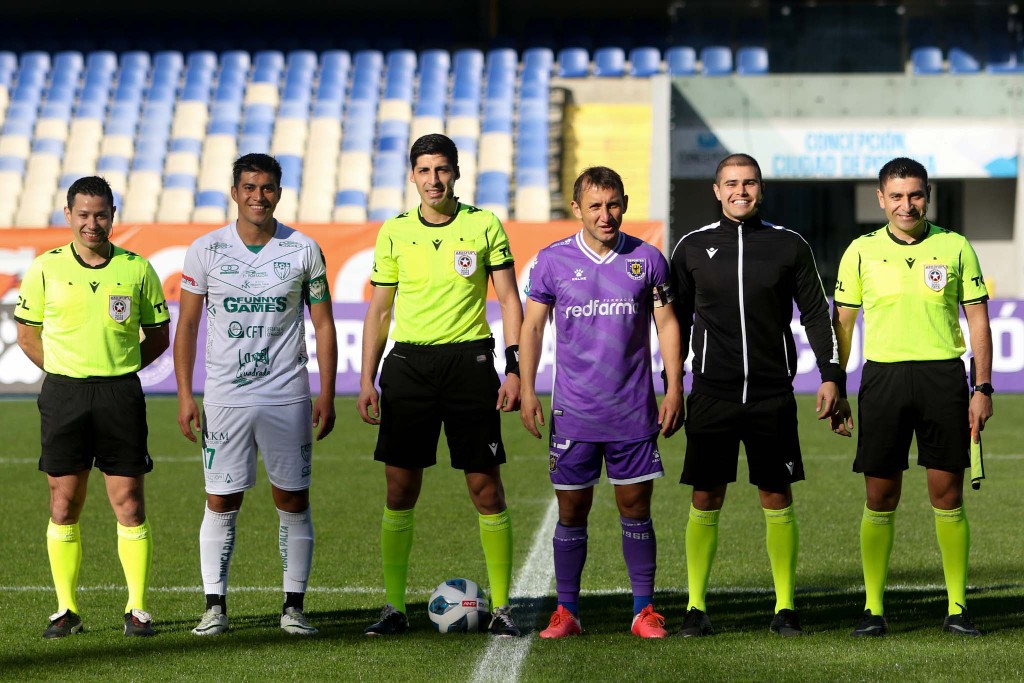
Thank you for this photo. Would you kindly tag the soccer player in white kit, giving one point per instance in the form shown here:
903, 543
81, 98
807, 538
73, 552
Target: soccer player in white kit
253, 277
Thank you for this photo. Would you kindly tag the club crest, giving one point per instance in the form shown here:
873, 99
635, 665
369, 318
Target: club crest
935, 277
317, 289
465, 263
120, 308
281, 269
636, 268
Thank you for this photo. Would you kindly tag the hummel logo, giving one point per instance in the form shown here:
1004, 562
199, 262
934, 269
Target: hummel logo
494, 448
910, 262
94, 285
789, 466
711, 251
437, 244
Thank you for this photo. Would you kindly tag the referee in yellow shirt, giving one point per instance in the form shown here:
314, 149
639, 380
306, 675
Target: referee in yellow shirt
79, 313
911, 277
438, 259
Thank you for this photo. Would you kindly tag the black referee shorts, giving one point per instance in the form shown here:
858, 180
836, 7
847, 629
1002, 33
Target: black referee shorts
96, 419
425, 386
768, 430
897, 401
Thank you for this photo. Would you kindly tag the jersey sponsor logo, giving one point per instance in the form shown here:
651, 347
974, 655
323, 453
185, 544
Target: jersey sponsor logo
275, 330
935, 277
229, 269
189, 280
120, 308
711, 251
636, 268
306, 453
217, 437
289, 243
281, 269
601, 308
252, 366
577, 275
252, 272
217, 246
255, 304
22, 304
465, 263
255, 284
237, 330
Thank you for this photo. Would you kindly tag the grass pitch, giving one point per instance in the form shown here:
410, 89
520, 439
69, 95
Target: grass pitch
346, 587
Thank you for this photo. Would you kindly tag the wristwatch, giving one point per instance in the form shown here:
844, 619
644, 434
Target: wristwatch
985, 388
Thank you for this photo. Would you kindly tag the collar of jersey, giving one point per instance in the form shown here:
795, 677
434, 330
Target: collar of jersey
897, 240
593, 255
234, 230
86, 265
755, 223
458, 207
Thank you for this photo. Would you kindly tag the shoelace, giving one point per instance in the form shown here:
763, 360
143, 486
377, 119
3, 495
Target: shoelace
652, 618
558, 616
505, 618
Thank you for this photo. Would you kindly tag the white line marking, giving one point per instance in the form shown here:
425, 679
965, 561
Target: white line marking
504, 656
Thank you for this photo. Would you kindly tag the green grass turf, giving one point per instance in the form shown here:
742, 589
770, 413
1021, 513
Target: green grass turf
346, 583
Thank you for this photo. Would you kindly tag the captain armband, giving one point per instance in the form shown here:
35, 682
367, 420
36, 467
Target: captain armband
661, 295
512, 360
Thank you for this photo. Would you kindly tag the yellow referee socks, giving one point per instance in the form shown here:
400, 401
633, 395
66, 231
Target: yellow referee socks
701, 545
395, 545
496, 538
877, 531
135, 548
64, 546
954, 535
783, 541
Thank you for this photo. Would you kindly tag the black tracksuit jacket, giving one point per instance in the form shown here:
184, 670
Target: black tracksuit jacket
735, 284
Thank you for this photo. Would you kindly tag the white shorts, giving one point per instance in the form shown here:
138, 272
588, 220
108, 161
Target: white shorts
282, 434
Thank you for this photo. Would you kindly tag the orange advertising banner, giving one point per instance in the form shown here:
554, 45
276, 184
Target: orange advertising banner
347, 248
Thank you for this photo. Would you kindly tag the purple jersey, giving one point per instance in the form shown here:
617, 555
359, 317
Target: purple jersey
602, 308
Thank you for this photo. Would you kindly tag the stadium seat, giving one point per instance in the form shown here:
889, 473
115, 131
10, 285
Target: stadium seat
538, 59
1005, 61
716, 60
644, 62
492, 193
752, 61
610, 62
210, 207
962, 62
350, 207
573, 62
681, 61
926, 60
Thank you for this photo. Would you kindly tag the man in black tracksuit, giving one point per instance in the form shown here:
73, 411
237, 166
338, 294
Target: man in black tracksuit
735, 282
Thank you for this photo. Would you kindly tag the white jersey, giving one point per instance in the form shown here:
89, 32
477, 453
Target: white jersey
255, 331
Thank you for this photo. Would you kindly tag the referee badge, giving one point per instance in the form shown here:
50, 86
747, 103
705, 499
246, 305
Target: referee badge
635, 268
120, 308
465, 263
935, 277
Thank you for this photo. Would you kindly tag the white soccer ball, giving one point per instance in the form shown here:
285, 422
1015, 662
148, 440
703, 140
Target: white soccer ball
458, 606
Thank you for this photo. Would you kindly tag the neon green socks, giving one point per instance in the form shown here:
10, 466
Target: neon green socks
64, 546
701, 544
954, 535
877, 530
395, 544
783, 541
135, 549
496, 538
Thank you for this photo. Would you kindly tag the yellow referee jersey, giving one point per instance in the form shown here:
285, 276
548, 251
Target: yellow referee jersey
441, 273
91, 315
911, 293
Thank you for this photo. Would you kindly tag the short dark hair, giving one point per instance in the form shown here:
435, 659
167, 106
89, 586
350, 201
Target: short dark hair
255, 163
902, 167
738, 159
91, 186
435, 143
597, 176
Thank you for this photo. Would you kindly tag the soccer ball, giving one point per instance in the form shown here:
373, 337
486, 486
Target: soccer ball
458, 606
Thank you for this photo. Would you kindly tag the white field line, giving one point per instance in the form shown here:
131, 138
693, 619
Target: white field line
504, 657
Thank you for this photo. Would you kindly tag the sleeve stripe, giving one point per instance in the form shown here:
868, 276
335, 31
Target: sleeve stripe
383, 284
964, 303
500, 266
846, 305
31, 323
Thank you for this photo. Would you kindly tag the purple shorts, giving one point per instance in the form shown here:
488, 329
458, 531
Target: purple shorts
577, 464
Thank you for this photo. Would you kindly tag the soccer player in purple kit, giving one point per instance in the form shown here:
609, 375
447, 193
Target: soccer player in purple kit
601, 288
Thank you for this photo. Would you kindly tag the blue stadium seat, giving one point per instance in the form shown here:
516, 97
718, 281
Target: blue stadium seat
293, 109
492, 188
1005, 61
717, 60
573, 62
752, 61
331, 109
168, 60
291, 170
35, 61
234, 60
266, 74
335, 60
147, 163
962, 62
253, 144
503, 59
12, 163
189, 145
610, 62
57, 218
112, 164
136, 60
469, 61
350, 198
926, 60
644, 62
101, 62
389, 169
681, 60
435, 61
150, 148
301, 60
380, 214
269, 59
195, 92
538, 59
90, 109
201, 60
213, 198
222, 127
261, 127
180, 180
